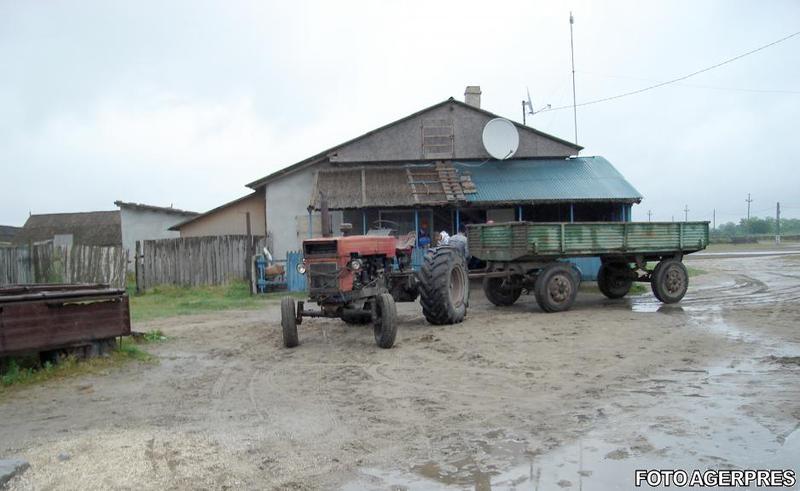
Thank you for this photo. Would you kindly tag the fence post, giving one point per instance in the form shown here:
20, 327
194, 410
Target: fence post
137, 271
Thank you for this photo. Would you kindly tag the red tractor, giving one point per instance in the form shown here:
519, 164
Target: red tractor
359, 278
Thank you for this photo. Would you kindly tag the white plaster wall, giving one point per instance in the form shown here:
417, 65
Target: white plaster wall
287, 197
146, 225
287, 211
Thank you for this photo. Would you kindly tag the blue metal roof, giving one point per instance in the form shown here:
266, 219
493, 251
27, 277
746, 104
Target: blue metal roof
573, 179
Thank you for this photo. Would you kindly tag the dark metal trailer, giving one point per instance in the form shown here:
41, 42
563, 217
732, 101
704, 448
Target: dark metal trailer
526, 256
43, 318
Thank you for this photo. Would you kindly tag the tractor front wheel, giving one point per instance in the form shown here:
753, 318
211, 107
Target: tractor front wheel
385, 322
289, 322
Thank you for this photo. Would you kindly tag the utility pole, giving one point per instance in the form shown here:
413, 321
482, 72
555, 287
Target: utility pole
778, 223
748, 206
714, 219
686, 213
572, 54
649, 215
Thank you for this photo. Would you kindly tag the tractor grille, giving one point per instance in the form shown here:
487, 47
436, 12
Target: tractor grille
323, 276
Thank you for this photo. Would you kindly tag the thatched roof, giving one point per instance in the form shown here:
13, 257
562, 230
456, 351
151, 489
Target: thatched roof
100, 228
392, 186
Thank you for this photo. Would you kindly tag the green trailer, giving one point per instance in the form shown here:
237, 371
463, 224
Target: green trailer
526, 256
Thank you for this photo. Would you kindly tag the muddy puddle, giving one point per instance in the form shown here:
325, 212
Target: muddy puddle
702, 416
703, 426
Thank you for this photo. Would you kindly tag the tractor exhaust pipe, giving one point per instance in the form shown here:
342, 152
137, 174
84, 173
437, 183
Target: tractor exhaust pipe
325, 216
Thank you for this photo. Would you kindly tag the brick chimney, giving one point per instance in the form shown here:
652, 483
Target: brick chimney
472, 95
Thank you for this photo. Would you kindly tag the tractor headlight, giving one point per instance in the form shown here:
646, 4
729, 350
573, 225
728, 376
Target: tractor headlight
355, 265
301, 268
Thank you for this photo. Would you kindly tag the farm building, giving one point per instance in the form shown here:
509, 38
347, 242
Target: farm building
7, 234
123, 227
147, 222
429, 171
227, 219
96, 228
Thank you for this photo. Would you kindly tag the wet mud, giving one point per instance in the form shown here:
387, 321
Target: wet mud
511, 399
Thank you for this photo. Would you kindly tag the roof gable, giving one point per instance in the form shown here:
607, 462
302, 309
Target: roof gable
402, 140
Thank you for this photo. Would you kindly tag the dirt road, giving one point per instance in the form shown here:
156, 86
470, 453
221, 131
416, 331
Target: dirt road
510, 399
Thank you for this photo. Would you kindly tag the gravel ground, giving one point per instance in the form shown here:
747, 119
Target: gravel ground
511, 399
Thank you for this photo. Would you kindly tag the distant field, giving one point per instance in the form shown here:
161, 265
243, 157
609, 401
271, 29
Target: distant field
760, 246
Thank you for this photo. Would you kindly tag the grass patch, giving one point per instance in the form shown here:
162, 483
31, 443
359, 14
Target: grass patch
170, 301
24, 371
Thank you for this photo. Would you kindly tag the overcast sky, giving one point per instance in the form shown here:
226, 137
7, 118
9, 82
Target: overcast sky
183, 102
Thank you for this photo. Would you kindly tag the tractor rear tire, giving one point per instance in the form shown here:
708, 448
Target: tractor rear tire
612, 281
669, 281
444, 286
289, 322
498, 294
556, 287
384, 324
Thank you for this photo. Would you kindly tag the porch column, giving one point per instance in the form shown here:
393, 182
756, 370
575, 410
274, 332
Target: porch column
416, 226
519, 213
363, 222
571, 212
458, 220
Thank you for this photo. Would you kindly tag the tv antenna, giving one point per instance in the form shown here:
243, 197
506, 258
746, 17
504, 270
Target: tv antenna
527, 107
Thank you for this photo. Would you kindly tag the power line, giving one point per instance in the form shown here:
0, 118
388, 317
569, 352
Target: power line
674, 80
695, 86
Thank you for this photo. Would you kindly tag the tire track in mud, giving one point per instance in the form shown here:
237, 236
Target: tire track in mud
746, 291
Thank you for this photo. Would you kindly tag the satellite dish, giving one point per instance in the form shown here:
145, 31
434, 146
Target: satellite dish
500, 138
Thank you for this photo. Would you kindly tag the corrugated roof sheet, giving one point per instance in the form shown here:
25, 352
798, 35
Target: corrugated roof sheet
573, 179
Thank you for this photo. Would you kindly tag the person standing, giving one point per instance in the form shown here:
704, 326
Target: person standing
459, 241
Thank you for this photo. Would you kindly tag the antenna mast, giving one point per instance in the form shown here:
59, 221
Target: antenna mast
572, 54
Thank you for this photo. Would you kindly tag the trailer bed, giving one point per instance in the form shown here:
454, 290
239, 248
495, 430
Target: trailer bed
530, 241
37, 318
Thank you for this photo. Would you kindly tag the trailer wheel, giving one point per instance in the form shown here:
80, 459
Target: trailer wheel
500, 294
385, 323
669, 281
444, 286
556, 287
613, 281
289, 322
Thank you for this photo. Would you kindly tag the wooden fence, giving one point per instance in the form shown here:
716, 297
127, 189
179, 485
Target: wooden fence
15, 265
195, 261
45, 263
